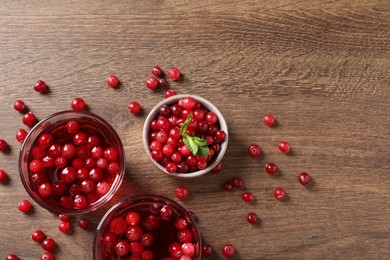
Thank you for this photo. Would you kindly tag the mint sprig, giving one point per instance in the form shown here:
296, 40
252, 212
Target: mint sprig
198, 146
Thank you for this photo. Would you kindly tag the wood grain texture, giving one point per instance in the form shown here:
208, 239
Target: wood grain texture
321, 67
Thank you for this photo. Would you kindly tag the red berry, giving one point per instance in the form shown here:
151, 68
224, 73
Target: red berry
217, 168
227, 185
147, 255
184, 235
271, 168
207, 250
64, 227
38, 236
72, 127
118, 226
78, 104
3, 176
19, 106
171, 167
21, 135
188, 249
157, 71
304, 178
147, 239
284, 147
3, 145
254, 151
237, 182
133, 218
269, 120
134, 108
162, 82
248, 196
48, 244
45, 190
175, 249
40, 86
80, 202
279, 193
134, 233
174, 73
109, 239
211, 118
252, 218
11, 257
181, 192
110, 154
47, 256
64, 218
46, 140
228, 250
38, 152
152, 83
181, 223
152, 222
169, 93
112, 81
122, 248
136, 248
24, 206
84, 223
29, 119
166, 212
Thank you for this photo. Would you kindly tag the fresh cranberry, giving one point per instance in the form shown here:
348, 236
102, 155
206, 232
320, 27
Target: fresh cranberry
284, 147
248, 196
64, 218
38, 236
93, 141
24, 206
169, 93
118, 226
72, 127
113, 168
80, 139
60, 162
84, 223
254, 151
174, 73
64, 227
45, 190
67, 202
78, 104
35, 166
109, 239
207, 250
21, 135
110, 154
11, 257
3, 176
19, 106
77, 163
304, 178
279, 193
227, 186
147, 239
162, 82
112, 81
134, 233
55, 150
171, 167
3, 145
269, 120
166, 212
102, 188
252, 218
211, 118
220, 135
147, 255
237, 182
157, 71
48, 244
184, 235
271, 168
40, 86
152, 222
122, 248
228, 250
188, 249
133, 218
29, 119
68, 175
181, 192
47, 256
175, 249
46, 140
181, 223
136, 248
134, 108
152, 83
217, 168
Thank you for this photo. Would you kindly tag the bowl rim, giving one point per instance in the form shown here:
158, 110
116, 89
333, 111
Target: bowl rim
222, 122
142, 198
118, 182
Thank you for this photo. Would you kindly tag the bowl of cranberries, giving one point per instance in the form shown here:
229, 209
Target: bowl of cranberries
185, 136
147, 227
72, 162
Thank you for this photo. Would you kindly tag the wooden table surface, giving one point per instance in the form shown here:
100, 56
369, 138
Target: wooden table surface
321, 67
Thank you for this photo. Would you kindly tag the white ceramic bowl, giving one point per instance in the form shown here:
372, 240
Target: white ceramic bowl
174, 99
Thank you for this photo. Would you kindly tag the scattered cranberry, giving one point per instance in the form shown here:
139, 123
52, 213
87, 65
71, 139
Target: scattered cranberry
269, 120
181, 192
162, 82
112, 81
254, 151
169, 93
24, 206
19, 106
64, 227
29, 119
174, 73
237, 182
284, 147
157, 71
3, 176
152, 83
3, 145
84, 223
21, 135
217, 168
78, 104
47, 256
11, 257
38, 236
48, 244
227, 186
252, 218
228, 250
207, 250
271, 168
40, 86
248, 196
304, 178
134, 108
279, 193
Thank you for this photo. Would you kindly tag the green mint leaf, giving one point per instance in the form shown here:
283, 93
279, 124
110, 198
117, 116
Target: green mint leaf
183, 128
190, 144
199, 141
203, 151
